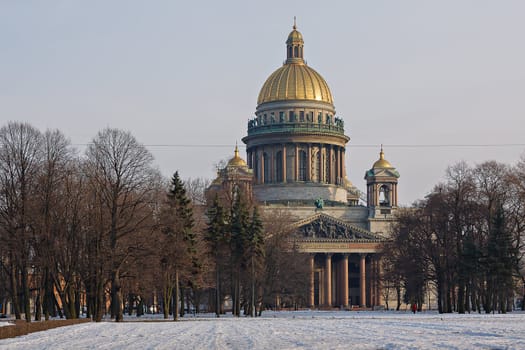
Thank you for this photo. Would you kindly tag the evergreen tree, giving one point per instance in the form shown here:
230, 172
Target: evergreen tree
255, 253
178, 249
501, 260
216, 235
181, 204
239, 229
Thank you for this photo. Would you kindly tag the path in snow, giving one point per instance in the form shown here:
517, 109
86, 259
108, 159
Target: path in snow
291, 330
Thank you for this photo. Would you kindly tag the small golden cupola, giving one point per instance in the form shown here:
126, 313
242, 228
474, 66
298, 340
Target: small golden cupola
382, 162
236, 175
237, 161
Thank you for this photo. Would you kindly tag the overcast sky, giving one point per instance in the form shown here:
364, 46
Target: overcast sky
431, 80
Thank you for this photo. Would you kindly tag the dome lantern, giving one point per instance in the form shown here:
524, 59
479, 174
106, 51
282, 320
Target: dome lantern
295, 80
294, 46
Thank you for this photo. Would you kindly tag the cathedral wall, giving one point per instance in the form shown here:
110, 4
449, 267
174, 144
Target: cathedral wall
381, 226
300, 192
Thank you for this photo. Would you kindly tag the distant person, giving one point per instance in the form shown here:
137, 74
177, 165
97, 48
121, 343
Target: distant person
414, 308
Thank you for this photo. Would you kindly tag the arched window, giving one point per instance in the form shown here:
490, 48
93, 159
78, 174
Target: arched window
384, 196
303, 163
296, 51
279, 167
266, 161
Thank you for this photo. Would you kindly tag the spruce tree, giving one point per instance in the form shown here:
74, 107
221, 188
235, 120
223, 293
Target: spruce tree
216, 235
502, 263
255, 252
239, 228
178, 226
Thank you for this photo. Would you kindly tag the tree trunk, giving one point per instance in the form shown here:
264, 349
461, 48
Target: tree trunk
176, 297
398, 294
48, 295
182, 295
218, 291
116, 297
461, 298
99, 305
14, 291
252, 303
166, 298
38, 305
26, 294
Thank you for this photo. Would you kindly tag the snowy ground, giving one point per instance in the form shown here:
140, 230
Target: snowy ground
291, 330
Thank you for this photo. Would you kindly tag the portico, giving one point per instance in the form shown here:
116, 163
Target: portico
343, 261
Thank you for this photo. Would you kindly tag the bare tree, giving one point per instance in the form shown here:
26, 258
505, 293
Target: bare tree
20, 162
120, 173
54, 223
196, 189
286, 269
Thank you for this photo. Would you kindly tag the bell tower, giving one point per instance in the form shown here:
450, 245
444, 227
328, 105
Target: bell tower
381, 188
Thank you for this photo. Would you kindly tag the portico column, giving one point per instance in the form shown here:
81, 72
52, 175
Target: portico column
312, 280
296, 163
338, 165
373, 281
322, 168
362, 283
378, 285
328, 273
283, 165
271, 171
262, 166
309, 162
331, 165
345, 280
343, 163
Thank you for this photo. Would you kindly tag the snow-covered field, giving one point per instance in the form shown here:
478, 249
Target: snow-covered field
291, 330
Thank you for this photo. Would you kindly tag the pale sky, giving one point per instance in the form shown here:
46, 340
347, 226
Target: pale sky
414, 73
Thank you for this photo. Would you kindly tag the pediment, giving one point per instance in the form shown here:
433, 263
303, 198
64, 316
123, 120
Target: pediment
382, 172
324, 227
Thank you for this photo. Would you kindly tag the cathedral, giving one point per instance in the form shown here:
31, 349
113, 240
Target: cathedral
295, 161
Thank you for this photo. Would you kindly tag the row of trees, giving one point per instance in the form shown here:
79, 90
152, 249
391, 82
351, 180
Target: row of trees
104, 228
464, 241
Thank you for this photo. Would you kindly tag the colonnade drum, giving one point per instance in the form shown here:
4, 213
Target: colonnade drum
305, 162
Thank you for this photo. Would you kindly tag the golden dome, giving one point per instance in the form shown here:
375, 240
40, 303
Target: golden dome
294, 37
382, 162
237, 161
295, 80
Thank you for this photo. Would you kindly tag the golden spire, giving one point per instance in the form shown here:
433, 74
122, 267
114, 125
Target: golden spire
294, 23
236, 152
